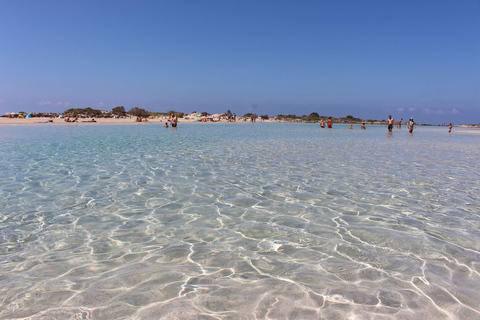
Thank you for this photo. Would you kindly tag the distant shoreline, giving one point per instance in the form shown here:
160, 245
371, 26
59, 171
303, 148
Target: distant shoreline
87, 121
471, 128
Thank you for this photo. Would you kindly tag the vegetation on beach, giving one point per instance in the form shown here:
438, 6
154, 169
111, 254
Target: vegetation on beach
227, 114
315, 117
139, 112
120, 111
176, 113
88, 112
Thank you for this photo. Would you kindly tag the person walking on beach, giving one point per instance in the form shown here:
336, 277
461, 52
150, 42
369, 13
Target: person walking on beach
329, 123
411, 125
390, 123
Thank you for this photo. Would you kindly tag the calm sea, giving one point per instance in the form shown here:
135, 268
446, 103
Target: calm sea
238, 221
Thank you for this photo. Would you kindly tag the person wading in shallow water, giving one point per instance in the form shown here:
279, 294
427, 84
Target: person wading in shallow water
399, 124
411, 125
329, 123
174, 120
390, 123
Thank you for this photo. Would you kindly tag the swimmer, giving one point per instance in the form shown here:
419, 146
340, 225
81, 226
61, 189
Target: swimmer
351, 126
363, 127
165, 125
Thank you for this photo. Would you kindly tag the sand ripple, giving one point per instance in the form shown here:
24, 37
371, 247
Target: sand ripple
259, 221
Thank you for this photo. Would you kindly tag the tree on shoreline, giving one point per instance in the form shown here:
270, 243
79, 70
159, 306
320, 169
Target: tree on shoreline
227, 114
119, 111
139, 112
88, 112
312, 117
177, 113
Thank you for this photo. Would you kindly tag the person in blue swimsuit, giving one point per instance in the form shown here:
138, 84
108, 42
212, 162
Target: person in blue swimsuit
411, 125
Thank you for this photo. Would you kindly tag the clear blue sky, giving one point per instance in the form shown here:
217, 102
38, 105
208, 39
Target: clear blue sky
368, 59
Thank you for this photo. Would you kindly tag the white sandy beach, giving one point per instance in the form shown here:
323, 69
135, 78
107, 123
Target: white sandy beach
87, 121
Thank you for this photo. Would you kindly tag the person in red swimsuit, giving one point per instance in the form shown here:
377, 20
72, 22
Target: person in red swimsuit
329, 123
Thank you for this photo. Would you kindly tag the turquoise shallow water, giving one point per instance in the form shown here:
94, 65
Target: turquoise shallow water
238, 221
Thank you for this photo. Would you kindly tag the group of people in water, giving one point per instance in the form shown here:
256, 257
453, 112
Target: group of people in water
173, 121
329, 123
390, 123
363, 127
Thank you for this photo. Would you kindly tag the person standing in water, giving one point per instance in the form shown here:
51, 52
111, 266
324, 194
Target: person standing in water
363, 127
390, 123
174, 120
322, 124
399, 124
329, 123
450, 127
411, 125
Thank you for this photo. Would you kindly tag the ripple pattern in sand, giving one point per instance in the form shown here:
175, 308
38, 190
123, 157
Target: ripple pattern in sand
238, 222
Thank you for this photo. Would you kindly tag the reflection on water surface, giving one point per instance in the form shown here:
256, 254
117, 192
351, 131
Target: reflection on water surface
229, 221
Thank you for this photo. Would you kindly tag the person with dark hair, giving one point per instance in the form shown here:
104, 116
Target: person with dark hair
390, 123
411, 125
174, 120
